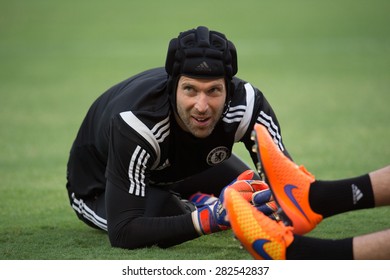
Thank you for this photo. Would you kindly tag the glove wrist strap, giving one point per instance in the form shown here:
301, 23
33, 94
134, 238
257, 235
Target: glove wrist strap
196, 222
204, 220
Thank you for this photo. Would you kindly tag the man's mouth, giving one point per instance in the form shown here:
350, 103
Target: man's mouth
201, 120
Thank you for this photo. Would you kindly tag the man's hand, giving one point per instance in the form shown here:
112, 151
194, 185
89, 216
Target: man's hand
265, 203
210, 215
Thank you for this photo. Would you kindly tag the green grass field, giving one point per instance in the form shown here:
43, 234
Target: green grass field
323, 65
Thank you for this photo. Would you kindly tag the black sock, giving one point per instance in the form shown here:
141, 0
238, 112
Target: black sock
329, 198
308, 248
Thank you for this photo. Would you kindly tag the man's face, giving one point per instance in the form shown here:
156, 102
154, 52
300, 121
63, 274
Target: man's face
200, 104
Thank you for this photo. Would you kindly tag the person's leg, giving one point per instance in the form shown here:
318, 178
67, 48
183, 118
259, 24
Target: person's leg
380, 180
306, 200
334, 197
373, 246
304, 194
85, 186
265, 238
91, 211
365, 191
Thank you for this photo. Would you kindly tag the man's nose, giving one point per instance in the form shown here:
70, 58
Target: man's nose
202, 103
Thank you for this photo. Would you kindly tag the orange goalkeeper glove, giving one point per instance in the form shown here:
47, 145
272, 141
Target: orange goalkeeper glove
210, 215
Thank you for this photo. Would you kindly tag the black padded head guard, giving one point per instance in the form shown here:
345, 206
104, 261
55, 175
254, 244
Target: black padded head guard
200, 53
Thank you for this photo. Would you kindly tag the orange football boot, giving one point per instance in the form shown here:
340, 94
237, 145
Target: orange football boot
288, 182
262, 237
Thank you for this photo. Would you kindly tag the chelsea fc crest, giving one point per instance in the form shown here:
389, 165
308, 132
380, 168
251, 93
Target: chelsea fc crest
217, 155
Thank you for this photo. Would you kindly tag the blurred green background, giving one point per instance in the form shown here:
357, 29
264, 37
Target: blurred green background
323, 65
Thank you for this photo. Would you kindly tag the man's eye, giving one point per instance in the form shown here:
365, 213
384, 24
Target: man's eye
189, 90
214, 90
